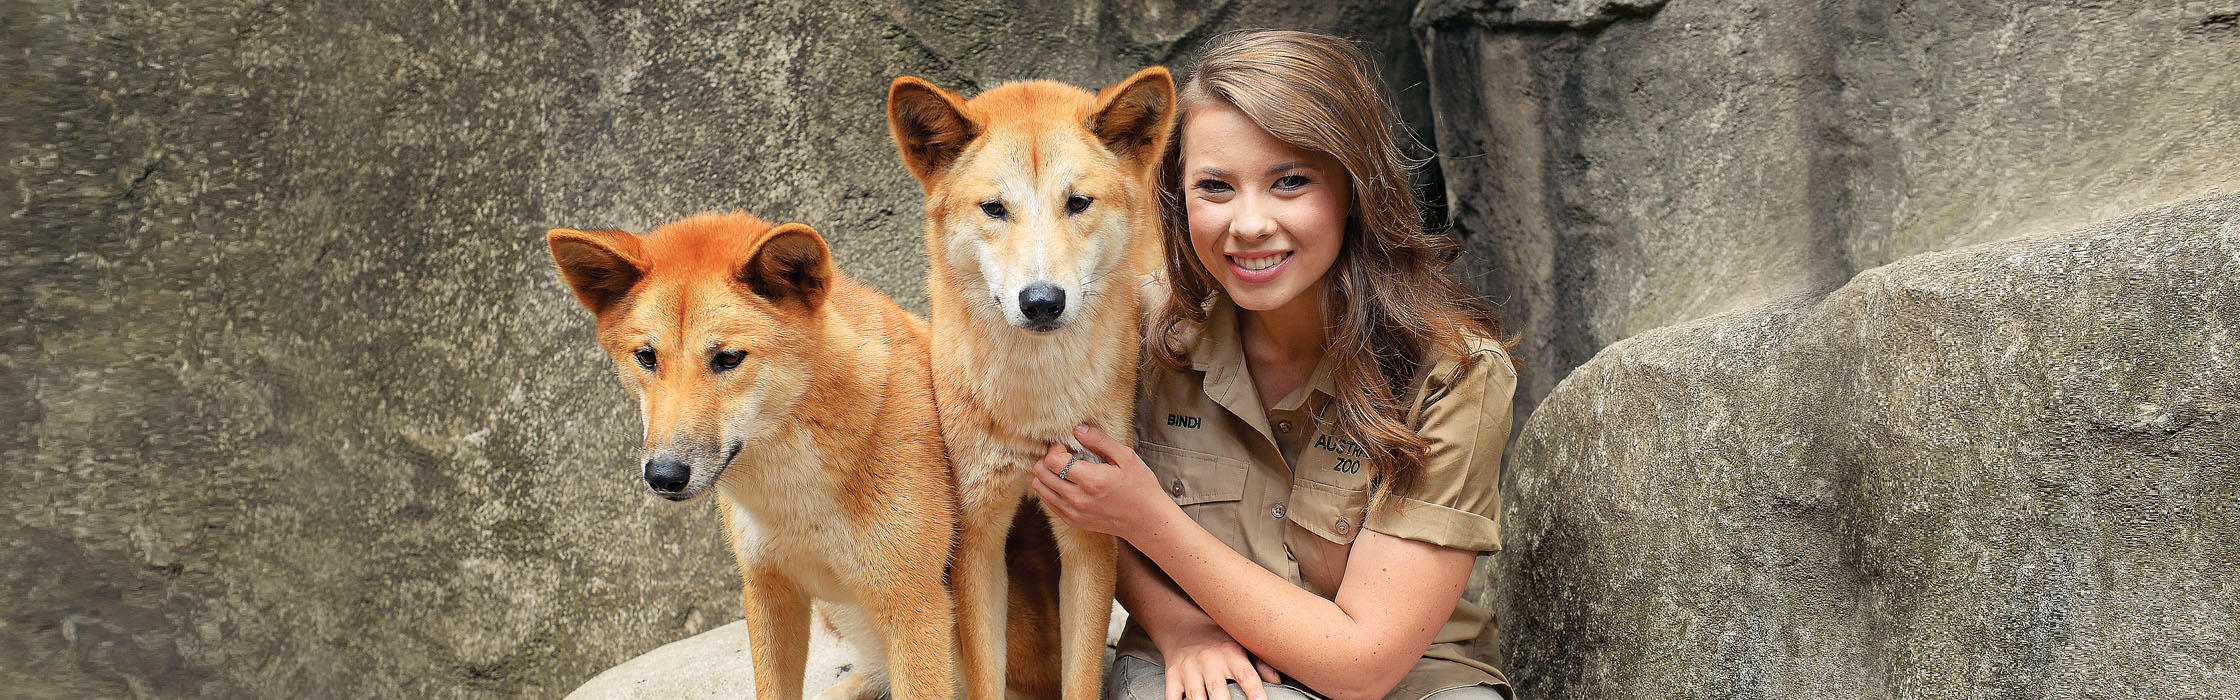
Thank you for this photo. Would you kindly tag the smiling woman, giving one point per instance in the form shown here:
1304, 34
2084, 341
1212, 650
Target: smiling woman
1321, 431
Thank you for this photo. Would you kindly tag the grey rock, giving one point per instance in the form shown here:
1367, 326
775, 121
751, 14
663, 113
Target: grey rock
1611, 177
713, 665
1541, 14
717, 664
2006, 470
291, 401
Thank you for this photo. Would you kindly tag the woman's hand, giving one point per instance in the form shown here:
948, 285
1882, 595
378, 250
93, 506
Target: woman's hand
1201, 668
1117, 497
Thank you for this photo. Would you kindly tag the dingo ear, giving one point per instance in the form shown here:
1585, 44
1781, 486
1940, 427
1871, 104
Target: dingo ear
600, 266
1134, 116
792, 264
930, 126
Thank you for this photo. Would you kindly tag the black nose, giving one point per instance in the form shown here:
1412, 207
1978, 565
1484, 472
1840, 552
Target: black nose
667, 475
1042, 301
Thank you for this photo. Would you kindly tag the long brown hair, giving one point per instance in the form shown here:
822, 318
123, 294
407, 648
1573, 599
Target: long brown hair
1390, 301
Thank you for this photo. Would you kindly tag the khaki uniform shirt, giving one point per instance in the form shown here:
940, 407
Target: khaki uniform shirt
1284, 488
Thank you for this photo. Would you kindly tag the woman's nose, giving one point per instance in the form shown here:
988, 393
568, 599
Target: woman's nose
1252, 221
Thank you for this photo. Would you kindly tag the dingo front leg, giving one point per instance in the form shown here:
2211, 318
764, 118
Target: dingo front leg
1084, 606
777, 633
980, 583
917, 624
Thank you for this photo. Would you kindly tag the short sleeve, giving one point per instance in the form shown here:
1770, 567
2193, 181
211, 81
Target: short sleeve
1464, 414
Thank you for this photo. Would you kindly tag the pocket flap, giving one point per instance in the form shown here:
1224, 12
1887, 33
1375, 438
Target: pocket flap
1192, 477
1331, 513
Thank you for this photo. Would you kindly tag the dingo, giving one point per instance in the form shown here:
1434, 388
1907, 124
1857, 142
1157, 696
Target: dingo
1041, 214
807, 398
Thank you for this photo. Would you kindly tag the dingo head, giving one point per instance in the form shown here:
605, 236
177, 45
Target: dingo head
1035, 191
710, 321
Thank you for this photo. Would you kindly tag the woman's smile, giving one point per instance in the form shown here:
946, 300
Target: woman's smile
1258, 266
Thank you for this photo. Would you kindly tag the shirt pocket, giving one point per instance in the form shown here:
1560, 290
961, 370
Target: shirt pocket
1333, 513
1333, 462
1193, 478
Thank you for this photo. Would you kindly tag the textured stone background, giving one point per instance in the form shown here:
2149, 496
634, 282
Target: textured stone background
291, 402
292, 405
1620, 165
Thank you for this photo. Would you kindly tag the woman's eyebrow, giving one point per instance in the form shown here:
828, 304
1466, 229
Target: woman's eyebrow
1288, 166
1210, 170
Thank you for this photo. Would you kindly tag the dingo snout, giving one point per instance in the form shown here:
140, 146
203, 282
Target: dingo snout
680, 475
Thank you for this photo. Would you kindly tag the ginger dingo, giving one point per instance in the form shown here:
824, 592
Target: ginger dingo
805, 399
1041, 215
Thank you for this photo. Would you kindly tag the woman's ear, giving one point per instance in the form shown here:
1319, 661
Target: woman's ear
930, 126
1134, 117
601, 266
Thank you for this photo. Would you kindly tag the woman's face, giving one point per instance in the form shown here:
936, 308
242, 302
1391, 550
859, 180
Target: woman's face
1267, 219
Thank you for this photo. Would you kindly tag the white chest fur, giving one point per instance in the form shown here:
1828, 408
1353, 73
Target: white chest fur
786, 513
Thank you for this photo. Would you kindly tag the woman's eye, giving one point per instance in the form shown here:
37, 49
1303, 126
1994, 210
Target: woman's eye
727, 359
1211, 186
994, 209
644, 356
1291, 182
1078, 203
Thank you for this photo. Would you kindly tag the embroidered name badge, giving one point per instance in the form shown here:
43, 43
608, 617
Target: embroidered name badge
1190, 422
1349, 453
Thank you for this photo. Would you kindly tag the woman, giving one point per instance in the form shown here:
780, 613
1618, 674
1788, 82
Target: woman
1322, 419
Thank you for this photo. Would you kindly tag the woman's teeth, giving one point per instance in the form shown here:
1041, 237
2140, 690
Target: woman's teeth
1260, 263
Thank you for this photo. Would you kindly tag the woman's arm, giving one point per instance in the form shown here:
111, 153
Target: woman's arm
1396, 592
1200, 657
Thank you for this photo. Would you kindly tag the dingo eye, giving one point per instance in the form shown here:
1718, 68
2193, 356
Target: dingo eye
994, 209
645, 357
727, 359
1078, 203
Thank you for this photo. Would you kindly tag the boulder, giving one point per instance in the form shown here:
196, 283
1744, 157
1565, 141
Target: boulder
2008, 470
712, 665
716, 664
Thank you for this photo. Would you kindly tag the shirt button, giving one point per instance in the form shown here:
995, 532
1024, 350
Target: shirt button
1176, 488
1283, 425
1342, 526
1277, 511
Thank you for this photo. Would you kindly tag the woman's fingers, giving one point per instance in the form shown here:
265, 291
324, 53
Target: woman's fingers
1053, 459
1248, 679
1174, 686
1267, 673
1055, 502
1217, 685
1192, 688
1096, 441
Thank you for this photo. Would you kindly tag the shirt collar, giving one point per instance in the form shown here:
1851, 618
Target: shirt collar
1219, 352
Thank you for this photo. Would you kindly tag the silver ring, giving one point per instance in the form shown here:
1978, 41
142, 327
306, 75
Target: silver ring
1070, 458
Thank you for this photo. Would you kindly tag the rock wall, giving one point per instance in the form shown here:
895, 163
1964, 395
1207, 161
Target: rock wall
1621, 165
2009, 470
291, 402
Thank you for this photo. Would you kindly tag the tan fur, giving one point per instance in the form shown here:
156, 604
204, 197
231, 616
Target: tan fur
1006, 392
840, 489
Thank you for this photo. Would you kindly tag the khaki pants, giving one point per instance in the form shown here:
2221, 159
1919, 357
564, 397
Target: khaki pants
1131, 678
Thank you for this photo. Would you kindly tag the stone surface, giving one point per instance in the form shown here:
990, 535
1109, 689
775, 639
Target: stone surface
291, 401
712, 665
1620, 165
716, 664
2009, 470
